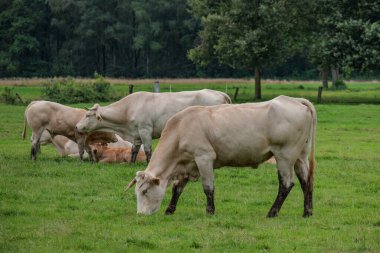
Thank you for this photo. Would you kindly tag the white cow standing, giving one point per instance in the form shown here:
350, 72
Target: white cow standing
142, 116
200, 139
59, 119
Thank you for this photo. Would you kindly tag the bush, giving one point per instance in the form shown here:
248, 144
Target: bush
67, 91
339, 85
8, 96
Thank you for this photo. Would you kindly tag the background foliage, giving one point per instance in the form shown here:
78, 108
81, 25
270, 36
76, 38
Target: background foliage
70, 91
148, 38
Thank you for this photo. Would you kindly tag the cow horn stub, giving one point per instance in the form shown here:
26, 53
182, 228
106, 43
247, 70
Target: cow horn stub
95, 107
132, 183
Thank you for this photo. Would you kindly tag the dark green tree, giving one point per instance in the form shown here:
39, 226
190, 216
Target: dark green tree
346, 37
249, 34
63, 23
164, 32
24, 37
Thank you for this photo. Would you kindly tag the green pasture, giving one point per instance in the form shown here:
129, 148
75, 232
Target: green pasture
356, 92
60, 204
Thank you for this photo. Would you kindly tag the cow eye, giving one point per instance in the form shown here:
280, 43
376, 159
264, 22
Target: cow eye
144, 191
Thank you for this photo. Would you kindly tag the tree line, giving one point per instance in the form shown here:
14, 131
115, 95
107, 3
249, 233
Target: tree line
179, 38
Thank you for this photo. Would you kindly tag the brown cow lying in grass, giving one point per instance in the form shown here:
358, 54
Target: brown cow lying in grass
104, 154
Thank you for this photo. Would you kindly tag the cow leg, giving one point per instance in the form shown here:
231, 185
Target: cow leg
39, 147
302, 171
148, 152
80, 148
177, 190
285, 184
135, 150
88, 150
146, 138
205, 167
35, 143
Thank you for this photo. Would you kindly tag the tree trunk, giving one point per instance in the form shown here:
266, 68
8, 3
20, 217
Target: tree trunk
104, 66
147, 65
257, 83
335, 76
325, 82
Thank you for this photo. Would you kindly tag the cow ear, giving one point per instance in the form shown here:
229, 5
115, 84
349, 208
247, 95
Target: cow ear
155, 181
98, 117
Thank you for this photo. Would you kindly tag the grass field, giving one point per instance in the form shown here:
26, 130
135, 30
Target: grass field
63, 205
357, 92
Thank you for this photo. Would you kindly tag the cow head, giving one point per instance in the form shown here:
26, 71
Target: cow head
97, 150
91, 120
149, 191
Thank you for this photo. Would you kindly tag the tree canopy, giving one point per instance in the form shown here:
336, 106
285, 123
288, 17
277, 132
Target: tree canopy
249, 34
346, 36
179, 38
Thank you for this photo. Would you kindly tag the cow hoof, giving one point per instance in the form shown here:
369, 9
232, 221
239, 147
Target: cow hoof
307, 214
272, 214
210, 211
169, 211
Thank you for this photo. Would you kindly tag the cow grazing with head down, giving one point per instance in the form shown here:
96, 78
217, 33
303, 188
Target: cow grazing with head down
104, 154
200, 139
59, 119
142, 116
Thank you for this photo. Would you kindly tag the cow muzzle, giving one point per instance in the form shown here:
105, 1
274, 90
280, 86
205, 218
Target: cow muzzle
80, 129
147, 211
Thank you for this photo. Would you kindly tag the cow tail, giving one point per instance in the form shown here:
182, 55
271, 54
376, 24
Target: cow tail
26, 120
227, 98
24, 131
312, 163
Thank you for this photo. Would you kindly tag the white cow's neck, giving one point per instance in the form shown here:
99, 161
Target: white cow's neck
163, 164
115, 117
113, 113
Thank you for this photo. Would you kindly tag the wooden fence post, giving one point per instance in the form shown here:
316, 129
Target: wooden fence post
130, 88
236, 93
156, 86
319, 98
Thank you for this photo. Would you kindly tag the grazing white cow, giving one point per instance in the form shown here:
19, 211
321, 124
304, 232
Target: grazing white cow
142, 116
59, 119
200, 139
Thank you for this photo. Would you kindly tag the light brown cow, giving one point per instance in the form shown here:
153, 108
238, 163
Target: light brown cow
67, 147
199, 139
142, 116
102, 153
59, 119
